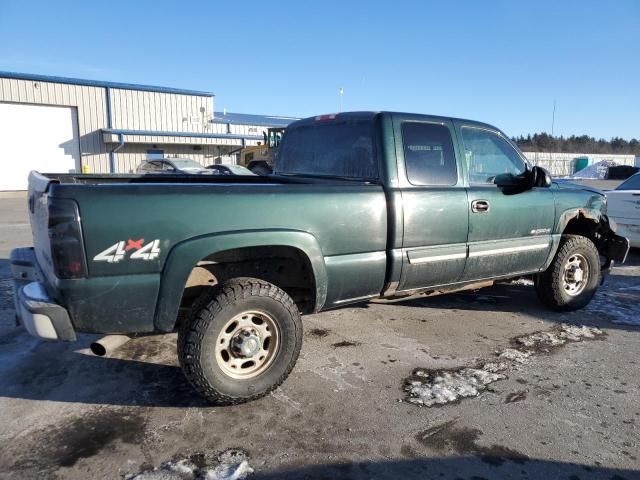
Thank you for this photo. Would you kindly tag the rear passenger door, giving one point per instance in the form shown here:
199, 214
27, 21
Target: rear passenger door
434, 199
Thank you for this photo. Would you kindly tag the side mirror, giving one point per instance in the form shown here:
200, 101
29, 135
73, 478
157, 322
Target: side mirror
512, 184
539, 177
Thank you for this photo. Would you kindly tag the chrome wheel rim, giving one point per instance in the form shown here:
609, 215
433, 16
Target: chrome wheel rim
575, 274
247, 344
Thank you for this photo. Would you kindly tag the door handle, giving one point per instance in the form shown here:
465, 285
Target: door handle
480, 206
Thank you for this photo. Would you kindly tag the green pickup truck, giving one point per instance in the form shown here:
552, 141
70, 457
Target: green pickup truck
361, 205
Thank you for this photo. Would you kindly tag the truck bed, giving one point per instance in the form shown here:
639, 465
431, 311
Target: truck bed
100, 179
341, 226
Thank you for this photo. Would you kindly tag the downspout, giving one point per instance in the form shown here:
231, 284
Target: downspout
112, 153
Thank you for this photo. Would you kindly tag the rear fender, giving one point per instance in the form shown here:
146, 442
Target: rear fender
185, 255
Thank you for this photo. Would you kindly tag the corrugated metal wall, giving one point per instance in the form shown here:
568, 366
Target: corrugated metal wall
237, 129
89, 101
130, 110
163, 112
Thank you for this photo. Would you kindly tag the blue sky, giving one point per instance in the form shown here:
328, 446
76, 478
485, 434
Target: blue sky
503, 62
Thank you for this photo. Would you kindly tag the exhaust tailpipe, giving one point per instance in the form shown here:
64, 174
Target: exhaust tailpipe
106, 345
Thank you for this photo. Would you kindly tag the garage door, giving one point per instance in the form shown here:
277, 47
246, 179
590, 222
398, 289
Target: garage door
36, 137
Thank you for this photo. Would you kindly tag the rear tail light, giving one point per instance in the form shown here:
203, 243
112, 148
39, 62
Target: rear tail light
65, 235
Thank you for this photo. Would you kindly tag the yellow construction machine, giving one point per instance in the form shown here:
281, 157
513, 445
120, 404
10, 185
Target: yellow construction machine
259, 158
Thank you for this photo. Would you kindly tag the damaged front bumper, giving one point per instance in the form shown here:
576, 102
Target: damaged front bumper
616, 248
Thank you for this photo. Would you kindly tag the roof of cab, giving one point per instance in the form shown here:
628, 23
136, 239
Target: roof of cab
369, 115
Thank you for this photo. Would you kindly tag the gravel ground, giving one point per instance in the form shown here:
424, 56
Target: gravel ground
569, 411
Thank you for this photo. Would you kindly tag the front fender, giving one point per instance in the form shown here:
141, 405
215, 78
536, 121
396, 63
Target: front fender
610, 245
185, 255
594, 214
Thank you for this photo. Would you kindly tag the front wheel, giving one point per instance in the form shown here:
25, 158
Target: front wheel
241, 342
573, 277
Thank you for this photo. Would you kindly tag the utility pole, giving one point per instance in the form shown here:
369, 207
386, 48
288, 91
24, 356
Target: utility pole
340, 95
553, 117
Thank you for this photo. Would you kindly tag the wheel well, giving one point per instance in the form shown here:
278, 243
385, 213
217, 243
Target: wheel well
286, 267
581, 225
596, 231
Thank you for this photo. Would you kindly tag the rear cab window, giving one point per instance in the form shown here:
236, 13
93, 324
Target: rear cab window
429, 155
336, 147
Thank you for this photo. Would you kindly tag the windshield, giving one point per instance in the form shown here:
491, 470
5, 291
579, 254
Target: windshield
186, 163
337, 148
631, 183
239, 170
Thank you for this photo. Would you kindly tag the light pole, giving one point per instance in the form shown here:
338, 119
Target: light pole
340, 95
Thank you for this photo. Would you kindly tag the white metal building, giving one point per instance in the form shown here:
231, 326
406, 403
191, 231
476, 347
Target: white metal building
564, 164
55, 124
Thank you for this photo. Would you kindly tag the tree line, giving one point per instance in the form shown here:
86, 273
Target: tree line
543, 142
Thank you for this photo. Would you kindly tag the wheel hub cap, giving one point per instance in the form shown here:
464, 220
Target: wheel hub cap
576, 274
247, 344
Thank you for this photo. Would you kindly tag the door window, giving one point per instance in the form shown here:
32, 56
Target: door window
429, 157
488, 154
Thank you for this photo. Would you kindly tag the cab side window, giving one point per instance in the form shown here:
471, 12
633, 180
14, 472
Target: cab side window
429, 157
488, 154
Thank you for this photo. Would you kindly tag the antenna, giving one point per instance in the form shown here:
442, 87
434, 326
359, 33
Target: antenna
553, 117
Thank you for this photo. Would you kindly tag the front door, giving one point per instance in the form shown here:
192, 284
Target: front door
434, 202
508, 233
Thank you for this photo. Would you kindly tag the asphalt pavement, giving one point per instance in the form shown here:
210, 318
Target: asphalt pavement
570, 411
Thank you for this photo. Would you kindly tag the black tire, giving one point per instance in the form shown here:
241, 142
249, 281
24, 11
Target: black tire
198, 335
550, 285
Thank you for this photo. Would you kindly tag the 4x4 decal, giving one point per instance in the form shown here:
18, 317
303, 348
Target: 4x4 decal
118, 251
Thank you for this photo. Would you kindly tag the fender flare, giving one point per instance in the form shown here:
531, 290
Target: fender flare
564, 218
185, 255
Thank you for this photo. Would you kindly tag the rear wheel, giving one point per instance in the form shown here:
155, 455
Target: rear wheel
241, 342
573, 277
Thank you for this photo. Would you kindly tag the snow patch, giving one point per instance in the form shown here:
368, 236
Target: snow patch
438, 387
619, 306
514, 355
526, 282
596, 171
566, 333
229, 465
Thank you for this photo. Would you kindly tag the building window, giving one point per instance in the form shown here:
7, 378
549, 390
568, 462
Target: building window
153, 154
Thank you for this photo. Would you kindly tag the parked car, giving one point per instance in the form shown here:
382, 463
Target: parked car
171, 165
624, 208
361, 205
225, 169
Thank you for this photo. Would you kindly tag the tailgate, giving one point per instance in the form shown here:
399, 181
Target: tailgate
39, 216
